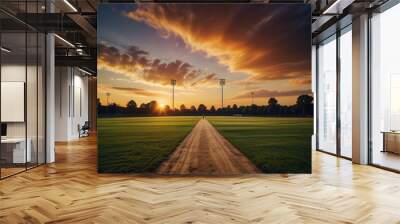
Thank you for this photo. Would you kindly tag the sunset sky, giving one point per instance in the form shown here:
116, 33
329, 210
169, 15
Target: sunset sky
260, 48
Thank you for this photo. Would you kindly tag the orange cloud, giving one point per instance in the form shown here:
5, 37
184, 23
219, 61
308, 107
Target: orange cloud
137, 91
303, 81
129, 63
137, 64
268, 43
208, 80
262, 93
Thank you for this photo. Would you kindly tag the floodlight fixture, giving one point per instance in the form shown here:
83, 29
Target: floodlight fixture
222, 83
173, 83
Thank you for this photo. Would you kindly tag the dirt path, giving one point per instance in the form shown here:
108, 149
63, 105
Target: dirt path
205, 152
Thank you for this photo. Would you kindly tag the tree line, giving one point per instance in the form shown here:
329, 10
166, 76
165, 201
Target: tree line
303, 107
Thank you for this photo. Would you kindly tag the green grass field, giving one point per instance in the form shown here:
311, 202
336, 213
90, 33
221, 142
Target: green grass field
274, 145
139, 144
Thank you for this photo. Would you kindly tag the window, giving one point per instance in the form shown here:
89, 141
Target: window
327, 95
346, 92
385, 89
22, 88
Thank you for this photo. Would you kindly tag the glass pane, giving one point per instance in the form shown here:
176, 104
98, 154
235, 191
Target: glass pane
385, 115
346, 94
327, 96
41, 98
23, 91
13, 86
31, 98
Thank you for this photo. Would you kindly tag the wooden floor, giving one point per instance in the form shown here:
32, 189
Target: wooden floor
70, 191
206, 152
8, 171
387, 159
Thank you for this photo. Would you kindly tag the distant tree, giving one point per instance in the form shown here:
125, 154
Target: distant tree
212, 109
273, 106
182, 108
304, 100
302, 107
234, 109
304, 104
284, 110
253, 109
167, 109
144, 108
259, 110
131, 106
202, 108
100, 108
113, 108
193, 109
272, 102
153, 106
228, 109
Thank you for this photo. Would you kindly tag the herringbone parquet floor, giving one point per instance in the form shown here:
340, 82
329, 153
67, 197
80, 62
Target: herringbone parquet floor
70, 191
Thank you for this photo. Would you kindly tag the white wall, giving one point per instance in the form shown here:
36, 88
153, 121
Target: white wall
314, 91
33, 127
71, 103
14, 73
62, 82
80, 111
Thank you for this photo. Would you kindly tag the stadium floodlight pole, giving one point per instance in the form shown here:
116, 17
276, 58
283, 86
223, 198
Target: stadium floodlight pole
222, 83
173, 83
252, 98
108, 98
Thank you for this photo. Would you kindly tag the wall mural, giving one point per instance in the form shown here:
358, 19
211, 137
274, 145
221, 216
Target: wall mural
204, 89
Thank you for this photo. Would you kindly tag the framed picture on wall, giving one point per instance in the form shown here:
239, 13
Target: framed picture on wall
204, 89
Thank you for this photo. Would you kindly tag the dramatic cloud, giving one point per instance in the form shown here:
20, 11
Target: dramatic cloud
262, 93
129, 62
137, 64
271, 43
162, 73
137, 91
302, 81
208, 80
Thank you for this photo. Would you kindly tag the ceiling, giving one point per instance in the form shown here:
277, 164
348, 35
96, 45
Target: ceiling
75, 22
